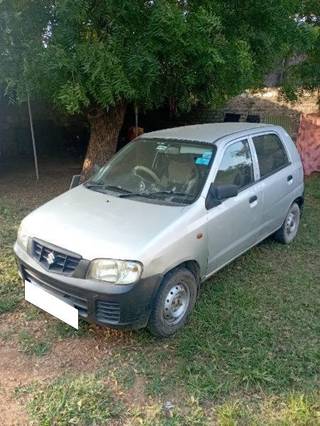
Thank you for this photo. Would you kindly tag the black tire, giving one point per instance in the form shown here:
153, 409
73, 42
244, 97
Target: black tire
289, 229
176, 285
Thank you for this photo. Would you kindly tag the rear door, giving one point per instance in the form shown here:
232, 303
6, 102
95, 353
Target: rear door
233, 226
276, 178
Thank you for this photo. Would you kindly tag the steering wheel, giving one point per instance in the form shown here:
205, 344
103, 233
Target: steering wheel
138, 169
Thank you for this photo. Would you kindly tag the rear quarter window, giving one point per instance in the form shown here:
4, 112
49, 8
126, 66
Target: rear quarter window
271, 153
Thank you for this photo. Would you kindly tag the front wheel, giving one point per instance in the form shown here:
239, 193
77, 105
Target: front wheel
289, 229
174, 302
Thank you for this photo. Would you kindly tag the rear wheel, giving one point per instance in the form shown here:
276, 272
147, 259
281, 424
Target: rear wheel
289, 229
173, 303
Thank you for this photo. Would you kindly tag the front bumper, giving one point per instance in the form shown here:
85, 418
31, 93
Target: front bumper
118, 306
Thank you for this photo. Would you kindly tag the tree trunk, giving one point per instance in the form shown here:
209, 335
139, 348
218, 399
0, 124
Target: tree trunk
104, 132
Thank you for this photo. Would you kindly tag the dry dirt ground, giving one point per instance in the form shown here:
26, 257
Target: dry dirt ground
18, 184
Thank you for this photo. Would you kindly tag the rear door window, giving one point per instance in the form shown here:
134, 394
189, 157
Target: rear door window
271, 153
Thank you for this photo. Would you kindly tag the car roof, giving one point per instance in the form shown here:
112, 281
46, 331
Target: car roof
209, 133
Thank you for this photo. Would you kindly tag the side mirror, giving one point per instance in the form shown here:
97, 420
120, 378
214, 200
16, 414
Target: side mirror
75, 181
219, 193
224, 191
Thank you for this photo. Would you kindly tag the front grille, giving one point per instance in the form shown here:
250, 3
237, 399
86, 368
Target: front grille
54, 260
77, 302
108, 312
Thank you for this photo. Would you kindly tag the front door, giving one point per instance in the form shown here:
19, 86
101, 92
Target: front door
233, 226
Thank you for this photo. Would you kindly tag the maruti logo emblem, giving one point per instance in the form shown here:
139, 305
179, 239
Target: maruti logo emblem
51, 258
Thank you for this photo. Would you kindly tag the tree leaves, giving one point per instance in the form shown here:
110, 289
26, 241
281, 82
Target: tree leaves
92, 53
72, 97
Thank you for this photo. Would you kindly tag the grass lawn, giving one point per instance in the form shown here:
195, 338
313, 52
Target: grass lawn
249, 355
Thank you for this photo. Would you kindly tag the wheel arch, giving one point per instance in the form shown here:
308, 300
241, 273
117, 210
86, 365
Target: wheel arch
300, 201
192, 265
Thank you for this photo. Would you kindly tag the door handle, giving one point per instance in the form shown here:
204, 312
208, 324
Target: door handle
290, 178
253, 199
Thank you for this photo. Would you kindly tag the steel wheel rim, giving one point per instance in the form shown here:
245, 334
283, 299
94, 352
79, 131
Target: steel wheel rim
176, 303
292, 223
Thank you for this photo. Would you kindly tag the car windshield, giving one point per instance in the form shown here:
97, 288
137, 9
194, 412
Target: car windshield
157, 170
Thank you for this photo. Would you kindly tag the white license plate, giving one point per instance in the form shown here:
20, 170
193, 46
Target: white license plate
41, 298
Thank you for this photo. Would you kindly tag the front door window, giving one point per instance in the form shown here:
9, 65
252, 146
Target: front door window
236, 167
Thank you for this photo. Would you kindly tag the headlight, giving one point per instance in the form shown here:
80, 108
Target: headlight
22, 237
115, 271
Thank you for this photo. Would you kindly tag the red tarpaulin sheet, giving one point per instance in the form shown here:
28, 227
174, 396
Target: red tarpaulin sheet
308, 143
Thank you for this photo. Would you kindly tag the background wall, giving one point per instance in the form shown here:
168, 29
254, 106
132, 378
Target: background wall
267, 104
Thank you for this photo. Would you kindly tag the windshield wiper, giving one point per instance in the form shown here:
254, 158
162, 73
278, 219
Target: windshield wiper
178, 194
135, 194
117, 188
154, 194
93, 184
105, 187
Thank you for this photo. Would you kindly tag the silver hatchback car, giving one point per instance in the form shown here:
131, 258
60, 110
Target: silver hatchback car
131, 246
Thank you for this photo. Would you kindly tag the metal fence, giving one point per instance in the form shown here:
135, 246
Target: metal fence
288, 123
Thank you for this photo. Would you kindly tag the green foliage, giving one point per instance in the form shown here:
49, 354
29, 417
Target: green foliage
22, 33
304, 74
88, 54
